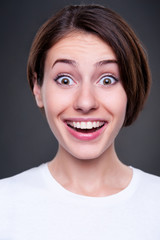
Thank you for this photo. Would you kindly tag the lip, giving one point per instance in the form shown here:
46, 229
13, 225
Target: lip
85, 136
85, 119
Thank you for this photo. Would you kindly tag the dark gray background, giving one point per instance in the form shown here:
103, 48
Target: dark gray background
25, 139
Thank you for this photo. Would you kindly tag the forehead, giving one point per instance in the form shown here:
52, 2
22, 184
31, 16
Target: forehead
78, 45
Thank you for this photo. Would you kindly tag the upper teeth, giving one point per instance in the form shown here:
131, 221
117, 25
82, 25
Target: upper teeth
86, 125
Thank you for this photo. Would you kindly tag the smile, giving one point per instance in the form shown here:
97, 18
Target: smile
86, 130
85, 126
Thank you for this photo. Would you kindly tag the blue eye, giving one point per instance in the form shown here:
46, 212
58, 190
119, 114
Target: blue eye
64, 80
108, 80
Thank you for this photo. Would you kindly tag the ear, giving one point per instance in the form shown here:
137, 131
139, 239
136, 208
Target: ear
37, 91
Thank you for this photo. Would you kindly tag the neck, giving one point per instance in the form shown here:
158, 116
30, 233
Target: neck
100, 176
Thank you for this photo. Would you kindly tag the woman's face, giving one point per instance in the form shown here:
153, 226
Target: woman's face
82, 94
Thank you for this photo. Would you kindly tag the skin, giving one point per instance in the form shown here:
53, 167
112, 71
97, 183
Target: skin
90, 167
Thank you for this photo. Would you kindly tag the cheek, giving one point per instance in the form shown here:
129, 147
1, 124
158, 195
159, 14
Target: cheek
115, 102
117, 108
55, 102
120, 103
120, 107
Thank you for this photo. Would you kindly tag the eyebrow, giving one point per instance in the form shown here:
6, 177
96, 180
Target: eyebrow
74, 63
103, 62
64, 60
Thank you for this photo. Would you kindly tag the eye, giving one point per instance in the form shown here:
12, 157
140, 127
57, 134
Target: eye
108, 80
64, 80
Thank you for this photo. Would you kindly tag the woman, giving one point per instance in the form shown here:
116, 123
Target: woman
90, 76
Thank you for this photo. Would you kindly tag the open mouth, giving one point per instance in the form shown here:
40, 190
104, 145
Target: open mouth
86, 127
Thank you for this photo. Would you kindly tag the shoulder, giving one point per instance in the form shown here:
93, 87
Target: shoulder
19, 195
19, 183
148, 184
144, 176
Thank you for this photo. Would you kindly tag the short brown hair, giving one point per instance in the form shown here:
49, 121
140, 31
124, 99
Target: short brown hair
111, 28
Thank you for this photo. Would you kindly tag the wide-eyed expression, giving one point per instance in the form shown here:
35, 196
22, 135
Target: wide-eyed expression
82, 94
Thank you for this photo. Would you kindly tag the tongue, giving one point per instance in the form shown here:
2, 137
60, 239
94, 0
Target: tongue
86, 130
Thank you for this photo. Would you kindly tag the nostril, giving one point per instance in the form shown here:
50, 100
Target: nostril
86, 101
85, 109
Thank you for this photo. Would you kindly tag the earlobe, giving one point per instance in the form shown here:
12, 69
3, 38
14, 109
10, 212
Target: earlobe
37, 92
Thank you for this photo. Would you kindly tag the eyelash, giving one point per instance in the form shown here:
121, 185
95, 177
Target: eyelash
110, 77
59, 76
68, 77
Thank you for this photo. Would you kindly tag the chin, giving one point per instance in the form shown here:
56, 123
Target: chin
88, 154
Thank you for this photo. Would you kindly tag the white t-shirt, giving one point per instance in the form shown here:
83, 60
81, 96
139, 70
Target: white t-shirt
33, 206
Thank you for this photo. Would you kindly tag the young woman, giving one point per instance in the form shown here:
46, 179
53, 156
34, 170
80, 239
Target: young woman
90, 76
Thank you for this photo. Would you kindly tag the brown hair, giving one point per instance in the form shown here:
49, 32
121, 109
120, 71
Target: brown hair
110, 27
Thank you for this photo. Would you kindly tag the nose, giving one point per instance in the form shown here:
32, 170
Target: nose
85, 100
